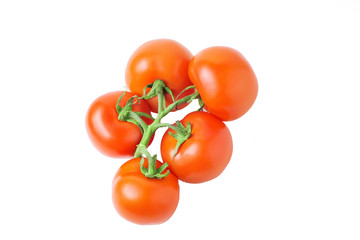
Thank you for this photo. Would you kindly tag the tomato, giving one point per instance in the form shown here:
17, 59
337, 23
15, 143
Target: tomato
144, 200
225, 81
109, 135
205, 154
162, 59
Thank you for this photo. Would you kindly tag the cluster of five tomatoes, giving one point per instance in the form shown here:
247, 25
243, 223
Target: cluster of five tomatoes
227, 86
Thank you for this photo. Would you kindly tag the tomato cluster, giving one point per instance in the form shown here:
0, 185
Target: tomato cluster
163, 77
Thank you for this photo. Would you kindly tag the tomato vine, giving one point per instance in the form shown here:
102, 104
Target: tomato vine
158, 88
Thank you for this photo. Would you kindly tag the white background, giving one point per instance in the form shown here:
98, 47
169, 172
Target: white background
295, 169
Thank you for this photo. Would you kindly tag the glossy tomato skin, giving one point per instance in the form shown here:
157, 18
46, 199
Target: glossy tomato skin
162, 59
110, 136
225, 80
142, 200
205, 154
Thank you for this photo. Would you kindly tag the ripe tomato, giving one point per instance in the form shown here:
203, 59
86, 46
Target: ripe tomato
109, 135
225, 81
162, 59
143, 200
205, 154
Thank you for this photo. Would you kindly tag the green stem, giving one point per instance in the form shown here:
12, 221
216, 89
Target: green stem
152, 160
156, 124
138, 119
149, 130
173, 127
144, 141
174, 105
161, 104
142, 114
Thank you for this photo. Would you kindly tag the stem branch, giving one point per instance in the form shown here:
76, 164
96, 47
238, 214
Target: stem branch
173, 127
138, 119
149, 130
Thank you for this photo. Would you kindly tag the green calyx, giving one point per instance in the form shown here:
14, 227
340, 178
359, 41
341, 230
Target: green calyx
181, 135
126, 113
151, 171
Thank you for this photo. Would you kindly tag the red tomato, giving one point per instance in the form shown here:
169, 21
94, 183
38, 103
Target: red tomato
162, 59
205, 154
109, 135
143, 200
225, 81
